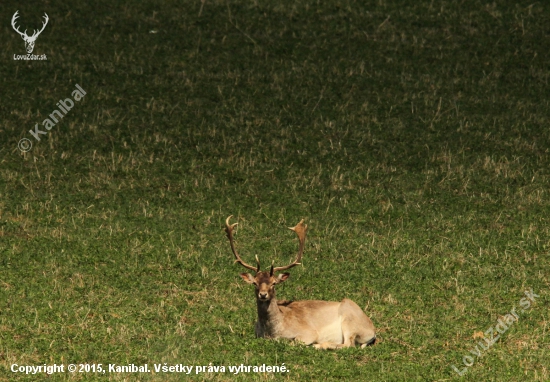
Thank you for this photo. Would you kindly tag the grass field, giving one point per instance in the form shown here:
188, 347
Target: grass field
413, 137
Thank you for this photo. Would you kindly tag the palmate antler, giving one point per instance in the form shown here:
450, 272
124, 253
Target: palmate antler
229, 231
300, 230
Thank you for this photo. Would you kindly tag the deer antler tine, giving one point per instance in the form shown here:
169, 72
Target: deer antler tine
300, 225
300, 230
229, 232
46, 19
37, 32
16, 28
227, 223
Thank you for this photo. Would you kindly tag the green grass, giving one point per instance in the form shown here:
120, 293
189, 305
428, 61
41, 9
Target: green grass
413, 137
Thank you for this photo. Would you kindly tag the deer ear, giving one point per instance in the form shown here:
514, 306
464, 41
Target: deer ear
282, 277
247, 277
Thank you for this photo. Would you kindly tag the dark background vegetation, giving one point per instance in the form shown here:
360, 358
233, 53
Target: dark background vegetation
412, 137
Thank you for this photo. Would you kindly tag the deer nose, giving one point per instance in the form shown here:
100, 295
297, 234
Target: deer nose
262, 295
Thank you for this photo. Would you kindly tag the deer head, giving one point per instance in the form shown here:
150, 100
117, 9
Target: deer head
29, 40
265, 281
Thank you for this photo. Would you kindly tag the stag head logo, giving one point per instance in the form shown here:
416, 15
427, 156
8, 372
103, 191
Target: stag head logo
29, 40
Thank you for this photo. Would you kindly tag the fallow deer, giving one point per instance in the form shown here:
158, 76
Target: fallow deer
325, 324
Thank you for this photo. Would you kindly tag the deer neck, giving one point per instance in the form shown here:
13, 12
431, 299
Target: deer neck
269, 316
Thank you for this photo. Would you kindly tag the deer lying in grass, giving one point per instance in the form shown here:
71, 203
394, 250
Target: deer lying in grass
326, 324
